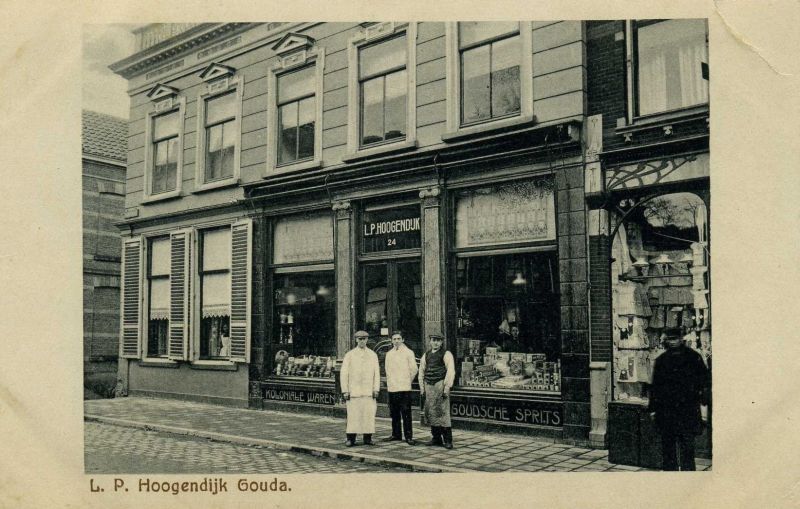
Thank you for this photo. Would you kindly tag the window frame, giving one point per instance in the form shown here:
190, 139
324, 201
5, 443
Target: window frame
455, 128
632, 79
375, 35
285, 65
160, 108
197, 294
146, 298
214, 90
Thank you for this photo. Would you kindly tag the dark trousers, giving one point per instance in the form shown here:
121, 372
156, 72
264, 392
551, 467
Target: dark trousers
352, 437
400, 409
673, 443
442, 434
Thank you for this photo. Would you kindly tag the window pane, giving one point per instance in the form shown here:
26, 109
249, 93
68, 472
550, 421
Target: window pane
160, 257
287, 145
409, 305
382, 56
159, 298
670, 54
475, 85
475, 31
219, 163
505, 77
296, 84
306, 118
375, 299
221, 108
157, 338
165, 125
215, 341
372, 111
395, 107
216, 249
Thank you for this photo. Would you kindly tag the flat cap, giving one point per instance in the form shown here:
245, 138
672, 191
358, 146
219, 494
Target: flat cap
361, 334
437, 337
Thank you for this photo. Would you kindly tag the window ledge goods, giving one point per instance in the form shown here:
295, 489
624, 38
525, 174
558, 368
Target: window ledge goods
491, 127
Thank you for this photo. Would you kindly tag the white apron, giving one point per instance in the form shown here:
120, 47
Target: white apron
360, 377
361, 415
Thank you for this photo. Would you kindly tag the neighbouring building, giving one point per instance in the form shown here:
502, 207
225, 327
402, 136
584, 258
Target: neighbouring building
291, 183
104, 156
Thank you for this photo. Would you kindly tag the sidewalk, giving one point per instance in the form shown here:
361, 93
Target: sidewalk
324, 436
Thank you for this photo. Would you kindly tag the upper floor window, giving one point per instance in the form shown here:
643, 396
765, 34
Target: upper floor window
296, 115
158, 296
165, 150
670, 57
490, 56
383, 86
220, 126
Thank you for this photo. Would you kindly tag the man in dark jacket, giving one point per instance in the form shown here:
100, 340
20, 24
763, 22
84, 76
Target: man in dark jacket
680, 381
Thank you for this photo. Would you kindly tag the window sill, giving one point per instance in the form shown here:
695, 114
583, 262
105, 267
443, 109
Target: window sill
380, 150
153, 362
667, 118
290, 168
215, 365
217, 184
490, 127
152, 198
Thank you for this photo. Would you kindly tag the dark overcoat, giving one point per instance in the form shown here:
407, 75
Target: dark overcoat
680, 384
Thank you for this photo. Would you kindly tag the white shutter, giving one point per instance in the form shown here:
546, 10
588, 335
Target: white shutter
180, 245
130, 346
241, 262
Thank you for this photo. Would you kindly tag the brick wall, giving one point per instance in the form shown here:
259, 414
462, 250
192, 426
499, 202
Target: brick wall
606, 76
600, 294
574, 305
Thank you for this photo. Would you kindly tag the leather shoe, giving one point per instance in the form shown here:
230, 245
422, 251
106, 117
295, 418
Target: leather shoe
391, 439
368, 442
411, 441
447, 445
433, 443
349, 443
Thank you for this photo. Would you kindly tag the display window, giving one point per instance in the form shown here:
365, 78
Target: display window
304, 297
660, 280
508, 322
507, 287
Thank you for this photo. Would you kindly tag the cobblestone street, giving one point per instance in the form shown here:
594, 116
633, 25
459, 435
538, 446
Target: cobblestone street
113, 449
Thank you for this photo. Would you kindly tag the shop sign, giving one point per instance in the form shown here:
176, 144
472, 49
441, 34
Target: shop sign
301, 396
537, 413
392, 229
506, 214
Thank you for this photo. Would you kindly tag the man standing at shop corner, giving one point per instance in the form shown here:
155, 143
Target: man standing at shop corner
400, 370
361, 383
436, 376
680, 382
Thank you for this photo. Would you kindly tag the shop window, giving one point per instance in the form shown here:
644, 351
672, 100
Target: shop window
508, 322
215, 293
671, 64
305, 324
158, 296
165, 153
660, 280
490, 77
381, 109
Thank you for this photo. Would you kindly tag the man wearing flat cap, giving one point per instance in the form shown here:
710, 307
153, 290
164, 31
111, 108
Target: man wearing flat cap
436, 376
361, 383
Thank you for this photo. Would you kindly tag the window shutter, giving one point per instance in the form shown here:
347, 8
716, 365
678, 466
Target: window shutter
180, 243
241, 259
131, 298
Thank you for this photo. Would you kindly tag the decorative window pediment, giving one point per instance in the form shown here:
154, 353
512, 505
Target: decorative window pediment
160, 92
215, 71
293, 42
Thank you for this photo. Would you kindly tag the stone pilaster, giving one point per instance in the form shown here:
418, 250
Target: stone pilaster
433, 279
345, 255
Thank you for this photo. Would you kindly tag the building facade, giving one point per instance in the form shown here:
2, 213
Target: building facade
291, 183
104, 154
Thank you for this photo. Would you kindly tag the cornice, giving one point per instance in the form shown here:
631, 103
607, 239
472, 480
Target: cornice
179, 45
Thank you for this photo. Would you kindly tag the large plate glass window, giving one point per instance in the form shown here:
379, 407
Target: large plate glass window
490, 54
220, 125
671, 56
296, 115
158, 273
215, 293
383, 85
165, 152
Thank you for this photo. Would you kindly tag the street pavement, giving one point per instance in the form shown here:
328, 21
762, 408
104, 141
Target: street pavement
111, 449
323, 437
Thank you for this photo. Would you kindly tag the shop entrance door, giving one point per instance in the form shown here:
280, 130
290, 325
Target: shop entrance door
391, 299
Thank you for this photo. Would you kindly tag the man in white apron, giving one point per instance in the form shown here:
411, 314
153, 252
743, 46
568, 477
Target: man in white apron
361, 383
